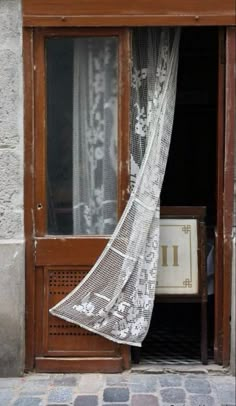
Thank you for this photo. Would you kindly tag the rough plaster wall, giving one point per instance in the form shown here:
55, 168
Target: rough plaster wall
233, 303
11, 191
233, 313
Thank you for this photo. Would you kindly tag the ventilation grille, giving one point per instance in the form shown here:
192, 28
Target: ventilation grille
62, 282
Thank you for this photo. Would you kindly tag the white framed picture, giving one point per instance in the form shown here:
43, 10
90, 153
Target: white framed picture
178, 259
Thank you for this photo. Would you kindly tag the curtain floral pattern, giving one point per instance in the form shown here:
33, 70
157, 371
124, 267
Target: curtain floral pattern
94, 135
116, 297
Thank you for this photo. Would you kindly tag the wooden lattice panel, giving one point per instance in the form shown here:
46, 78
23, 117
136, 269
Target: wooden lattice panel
62, 337
60, 284
66, 329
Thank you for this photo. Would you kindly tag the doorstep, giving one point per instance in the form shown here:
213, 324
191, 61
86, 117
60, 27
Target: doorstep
211, 368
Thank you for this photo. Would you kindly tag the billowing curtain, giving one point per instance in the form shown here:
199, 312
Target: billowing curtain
116, 298
94, 135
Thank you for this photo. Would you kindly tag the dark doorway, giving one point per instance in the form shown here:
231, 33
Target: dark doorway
190, 180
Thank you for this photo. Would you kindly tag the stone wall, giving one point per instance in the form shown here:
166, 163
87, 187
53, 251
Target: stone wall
233, 313
12, 277
233, 303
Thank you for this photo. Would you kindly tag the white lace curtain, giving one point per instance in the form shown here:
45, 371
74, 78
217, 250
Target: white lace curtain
94, 135
116, 297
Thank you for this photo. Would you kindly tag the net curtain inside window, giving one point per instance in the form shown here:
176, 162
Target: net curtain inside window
95, 135
116, 297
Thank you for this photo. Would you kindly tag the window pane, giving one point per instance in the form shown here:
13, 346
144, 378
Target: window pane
82, 135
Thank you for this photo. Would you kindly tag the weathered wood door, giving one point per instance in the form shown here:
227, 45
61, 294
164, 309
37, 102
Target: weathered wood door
63, 252
56, 261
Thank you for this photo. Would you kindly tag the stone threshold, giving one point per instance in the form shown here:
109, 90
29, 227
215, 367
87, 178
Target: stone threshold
210, 369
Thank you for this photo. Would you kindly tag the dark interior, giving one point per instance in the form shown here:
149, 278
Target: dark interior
190, 180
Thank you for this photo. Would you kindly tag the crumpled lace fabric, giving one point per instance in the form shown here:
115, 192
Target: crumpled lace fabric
116, 297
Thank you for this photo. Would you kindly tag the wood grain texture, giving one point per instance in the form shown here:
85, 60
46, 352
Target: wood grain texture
40, 209
108, 7
123, 13
130, 21
138, 7
67, 364
68, 251
230, 109
57, 337
124, 120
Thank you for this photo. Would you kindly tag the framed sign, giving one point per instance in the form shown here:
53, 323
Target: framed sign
182, 276
178, 260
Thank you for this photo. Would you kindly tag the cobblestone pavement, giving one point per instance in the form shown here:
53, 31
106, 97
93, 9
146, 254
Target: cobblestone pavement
118, 390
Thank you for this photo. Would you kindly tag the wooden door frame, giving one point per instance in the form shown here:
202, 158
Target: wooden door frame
71, 13
35, 228
225, 177
228, 195
225, 191
40, 36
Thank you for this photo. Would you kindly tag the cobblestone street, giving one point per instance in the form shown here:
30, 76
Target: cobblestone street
118, 389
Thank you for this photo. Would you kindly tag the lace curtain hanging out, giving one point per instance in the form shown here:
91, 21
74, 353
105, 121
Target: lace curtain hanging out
115, 299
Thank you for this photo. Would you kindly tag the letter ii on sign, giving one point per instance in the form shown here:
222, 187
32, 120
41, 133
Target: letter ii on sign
164, 255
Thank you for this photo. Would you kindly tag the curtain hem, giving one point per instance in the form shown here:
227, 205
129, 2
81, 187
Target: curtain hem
92, 330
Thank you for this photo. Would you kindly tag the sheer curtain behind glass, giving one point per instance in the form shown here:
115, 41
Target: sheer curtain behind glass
115, 299
95, 135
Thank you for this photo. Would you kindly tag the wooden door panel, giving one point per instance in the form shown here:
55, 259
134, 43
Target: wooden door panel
85, 364
68, 251
58, 337
62, 261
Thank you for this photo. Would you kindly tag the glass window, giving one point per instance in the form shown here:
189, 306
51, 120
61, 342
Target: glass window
82, 117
